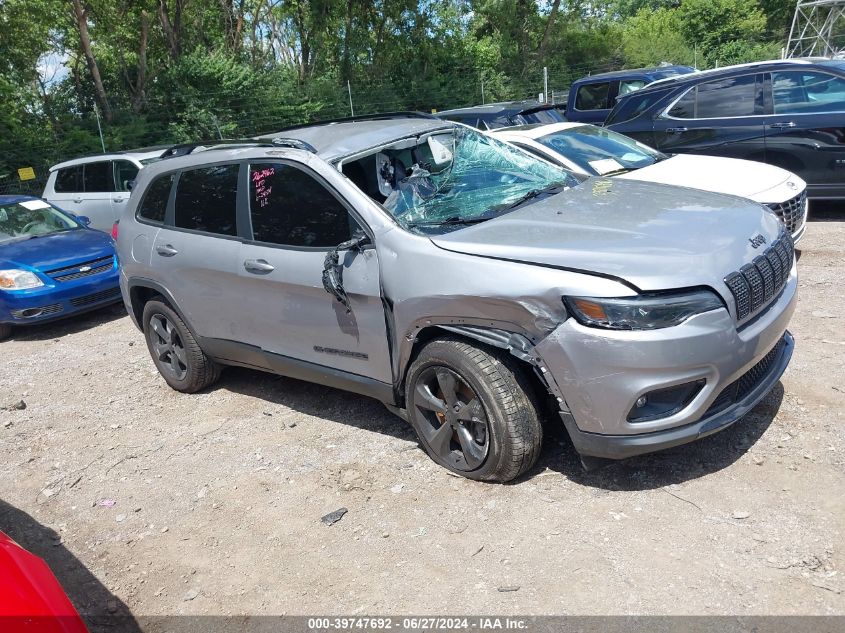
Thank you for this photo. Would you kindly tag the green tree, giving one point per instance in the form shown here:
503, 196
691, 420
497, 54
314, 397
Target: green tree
651, 37
710, 25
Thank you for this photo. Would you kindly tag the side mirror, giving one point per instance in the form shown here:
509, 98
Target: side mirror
84, 220
333, 269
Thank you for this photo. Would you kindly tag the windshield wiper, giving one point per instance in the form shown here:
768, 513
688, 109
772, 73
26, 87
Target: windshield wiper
530, 195
621, 170
447, 221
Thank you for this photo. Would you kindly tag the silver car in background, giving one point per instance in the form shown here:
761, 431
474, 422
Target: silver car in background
97, 186
472, 288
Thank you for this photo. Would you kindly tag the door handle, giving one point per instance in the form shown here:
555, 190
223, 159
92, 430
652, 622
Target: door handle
782, 125
258, 266
166, 250
77, 200
676, 130
118, 199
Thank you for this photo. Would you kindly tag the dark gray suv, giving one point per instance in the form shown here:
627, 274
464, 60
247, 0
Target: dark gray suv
789, 113
469, 286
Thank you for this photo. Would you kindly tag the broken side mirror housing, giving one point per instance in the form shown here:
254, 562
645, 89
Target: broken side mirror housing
333, 269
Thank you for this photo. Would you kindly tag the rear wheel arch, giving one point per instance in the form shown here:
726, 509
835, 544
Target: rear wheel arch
143, 291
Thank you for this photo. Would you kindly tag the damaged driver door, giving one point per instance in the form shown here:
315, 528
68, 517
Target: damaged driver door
287, 310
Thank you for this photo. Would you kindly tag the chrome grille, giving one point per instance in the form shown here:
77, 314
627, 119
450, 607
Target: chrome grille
793, 212
755, 284
739, 389
95, 298
95, 266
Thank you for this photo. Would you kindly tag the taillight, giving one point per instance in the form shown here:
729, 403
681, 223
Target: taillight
114, 230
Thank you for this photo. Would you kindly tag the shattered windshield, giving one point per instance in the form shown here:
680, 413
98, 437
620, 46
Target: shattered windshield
459, 177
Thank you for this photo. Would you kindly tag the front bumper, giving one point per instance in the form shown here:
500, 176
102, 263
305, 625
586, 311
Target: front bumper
59, 301
623, 446
602, 373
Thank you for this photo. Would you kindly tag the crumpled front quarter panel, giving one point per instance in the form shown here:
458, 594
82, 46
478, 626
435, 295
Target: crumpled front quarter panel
428, 286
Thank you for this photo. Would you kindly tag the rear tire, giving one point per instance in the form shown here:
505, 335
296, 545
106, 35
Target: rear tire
175, 352
5, 331
473, 410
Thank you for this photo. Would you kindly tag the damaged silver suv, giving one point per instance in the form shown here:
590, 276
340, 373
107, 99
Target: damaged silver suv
469, 286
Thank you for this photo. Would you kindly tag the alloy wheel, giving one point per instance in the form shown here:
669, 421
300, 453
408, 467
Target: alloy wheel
168, 346
451, 418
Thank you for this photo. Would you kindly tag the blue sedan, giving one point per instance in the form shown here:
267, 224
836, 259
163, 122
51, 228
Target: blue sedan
52, 266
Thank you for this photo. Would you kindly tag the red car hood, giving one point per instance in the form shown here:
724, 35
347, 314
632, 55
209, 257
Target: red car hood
31, 599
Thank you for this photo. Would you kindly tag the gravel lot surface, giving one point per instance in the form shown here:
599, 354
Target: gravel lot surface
147, 500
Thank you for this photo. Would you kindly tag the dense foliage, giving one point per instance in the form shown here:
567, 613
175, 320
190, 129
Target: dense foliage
164, 71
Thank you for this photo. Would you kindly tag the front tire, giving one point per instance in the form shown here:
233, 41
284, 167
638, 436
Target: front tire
5, 331
473, 410
175, 352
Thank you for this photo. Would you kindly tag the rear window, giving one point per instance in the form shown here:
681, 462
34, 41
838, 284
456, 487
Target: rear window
154, 204
206, 199
546, 115
69, 179
592, 96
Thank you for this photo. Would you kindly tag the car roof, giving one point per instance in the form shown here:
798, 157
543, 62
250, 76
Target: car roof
535, 130
500, 107
331, 141
139, 155
338, 139
775, 64
12, 199
649, 71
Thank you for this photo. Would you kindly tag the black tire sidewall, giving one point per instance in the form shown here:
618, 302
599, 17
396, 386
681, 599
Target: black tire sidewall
451, 357
151, 309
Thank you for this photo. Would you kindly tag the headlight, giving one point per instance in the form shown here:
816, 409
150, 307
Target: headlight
642, 312
18, 280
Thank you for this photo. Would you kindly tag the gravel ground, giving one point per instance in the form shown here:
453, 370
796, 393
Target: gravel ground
148, 501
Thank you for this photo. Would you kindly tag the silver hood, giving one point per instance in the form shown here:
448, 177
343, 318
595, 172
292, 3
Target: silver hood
655, 237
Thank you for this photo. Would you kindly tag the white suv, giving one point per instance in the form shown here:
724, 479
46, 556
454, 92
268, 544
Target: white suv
97, 186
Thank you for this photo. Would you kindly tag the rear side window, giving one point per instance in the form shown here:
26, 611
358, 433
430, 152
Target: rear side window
685, 106
98, 177
797, 92
632, 107
290, 208
206, 199
592, 96
154, 204
69, 179
729, 97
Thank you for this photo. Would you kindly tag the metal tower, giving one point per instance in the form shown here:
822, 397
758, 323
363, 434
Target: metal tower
818, 29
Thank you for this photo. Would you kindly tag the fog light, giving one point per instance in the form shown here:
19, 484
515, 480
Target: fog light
661, 403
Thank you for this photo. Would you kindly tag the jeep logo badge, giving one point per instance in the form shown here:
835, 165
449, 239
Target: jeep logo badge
757, 241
